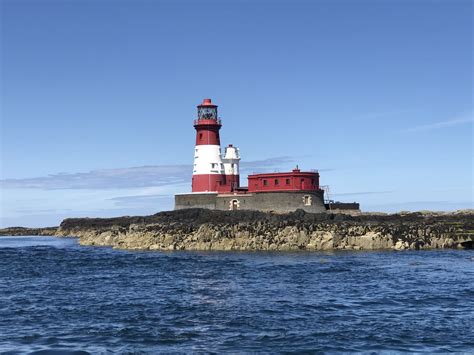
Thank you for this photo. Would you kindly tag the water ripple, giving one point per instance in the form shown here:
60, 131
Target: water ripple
58, 297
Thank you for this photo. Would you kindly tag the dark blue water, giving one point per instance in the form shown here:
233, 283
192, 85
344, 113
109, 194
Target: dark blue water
56, 295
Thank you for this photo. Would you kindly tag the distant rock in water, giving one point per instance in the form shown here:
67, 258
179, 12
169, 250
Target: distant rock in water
28, 231
201, 229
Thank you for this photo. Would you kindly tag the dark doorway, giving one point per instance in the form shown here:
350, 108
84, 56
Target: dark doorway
235, 205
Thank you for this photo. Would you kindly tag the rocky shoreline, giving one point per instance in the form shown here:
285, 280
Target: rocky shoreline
18, 231
200, 229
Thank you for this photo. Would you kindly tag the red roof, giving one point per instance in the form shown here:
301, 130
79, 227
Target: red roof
207, 103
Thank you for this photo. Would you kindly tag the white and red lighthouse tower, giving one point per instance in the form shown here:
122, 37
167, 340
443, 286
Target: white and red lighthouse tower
208, 172
216, 179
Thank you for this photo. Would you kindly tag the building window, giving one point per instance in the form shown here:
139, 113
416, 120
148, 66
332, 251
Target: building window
287, 181
265, 182
307, 200
312, 182
200, 136
277, 182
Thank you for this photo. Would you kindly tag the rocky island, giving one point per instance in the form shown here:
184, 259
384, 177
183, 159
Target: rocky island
201, 229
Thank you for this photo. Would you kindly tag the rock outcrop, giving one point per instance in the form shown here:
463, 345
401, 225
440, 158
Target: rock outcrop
199, 229
28, 231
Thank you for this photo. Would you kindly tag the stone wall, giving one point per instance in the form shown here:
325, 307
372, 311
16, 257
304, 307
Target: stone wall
280, 202
343, 206
195, 200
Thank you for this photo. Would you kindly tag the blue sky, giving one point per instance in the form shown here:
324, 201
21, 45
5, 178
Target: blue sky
98, 99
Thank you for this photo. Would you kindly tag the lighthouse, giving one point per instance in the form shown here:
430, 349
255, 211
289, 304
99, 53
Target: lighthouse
216, 178
208, 170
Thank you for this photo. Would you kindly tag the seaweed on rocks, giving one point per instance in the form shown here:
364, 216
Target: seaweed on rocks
202, 229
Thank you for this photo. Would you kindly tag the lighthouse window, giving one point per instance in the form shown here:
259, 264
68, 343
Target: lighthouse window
207, 113
277, 182
200, 136
287, 181
265, 182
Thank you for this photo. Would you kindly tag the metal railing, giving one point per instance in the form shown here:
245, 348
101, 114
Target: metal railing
218, 121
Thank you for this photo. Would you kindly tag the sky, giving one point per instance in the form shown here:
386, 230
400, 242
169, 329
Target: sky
98, 100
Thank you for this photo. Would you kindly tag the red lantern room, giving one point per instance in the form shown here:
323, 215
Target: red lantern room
207, 124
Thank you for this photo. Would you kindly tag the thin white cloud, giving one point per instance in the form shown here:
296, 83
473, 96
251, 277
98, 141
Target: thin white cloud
126, 178
362, 193
419, 206
266, 163
123, 178
141, 200
443, 124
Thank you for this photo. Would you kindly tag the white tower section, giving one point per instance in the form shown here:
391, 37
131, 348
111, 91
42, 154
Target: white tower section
207, 160
231, 160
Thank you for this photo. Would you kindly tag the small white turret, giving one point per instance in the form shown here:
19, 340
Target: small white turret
231, 160
231, 166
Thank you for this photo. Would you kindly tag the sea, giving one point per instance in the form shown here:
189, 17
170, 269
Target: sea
57, 297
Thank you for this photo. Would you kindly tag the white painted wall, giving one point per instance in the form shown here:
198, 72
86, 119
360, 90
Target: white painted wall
231, 161
207, 160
